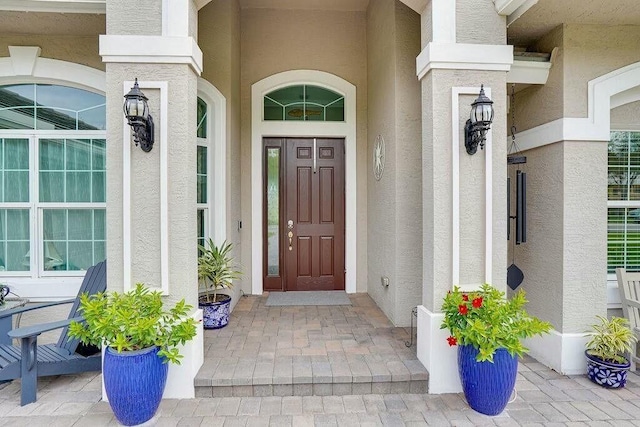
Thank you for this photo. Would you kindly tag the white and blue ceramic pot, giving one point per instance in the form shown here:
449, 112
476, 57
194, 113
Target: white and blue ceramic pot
487, 386
215, 315
134, 382
606, 374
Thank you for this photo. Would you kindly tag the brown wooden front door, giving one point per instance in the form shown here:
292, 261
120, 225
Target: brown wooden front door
311, 223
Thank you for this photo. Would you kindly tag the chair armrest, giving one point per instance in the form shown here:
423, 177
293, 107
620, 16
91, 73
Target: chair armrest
631, 303
29, 331
18, 310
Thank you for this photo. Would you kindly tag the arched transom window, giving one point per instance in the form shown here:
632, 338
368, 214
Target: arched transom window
305, 103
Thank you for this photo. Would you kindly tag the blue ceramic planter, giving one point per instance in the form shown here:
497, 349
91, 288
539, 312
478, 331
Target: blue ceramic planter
215, 315
606, 374
134, 382
487, 386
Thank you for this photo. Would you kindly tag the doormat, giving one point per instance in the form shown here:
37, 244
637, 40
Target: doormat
308, 298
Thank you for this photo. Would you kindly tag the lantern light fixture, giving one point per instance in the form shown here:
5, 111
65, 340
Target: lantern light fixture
136, 110
479, 123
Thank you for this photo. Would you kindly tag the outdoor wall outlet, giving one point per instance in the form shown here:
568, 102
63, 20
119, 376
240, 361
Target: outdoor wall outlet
384, 281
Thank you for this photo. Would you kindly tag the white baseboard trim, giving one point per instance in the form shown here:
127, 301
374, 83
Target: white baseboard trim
181, 377
440, 360
564, 353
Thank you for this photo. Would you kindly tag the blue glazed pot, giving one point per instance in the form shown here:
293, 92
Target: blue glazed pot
606, 374
215, 315
134, 382
487, 386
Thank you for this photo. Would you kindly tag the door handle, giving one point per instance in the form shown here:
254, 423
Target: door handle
290, 234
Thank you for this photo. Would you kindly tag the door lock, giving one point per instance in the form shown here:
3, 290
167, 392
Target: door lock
290, 234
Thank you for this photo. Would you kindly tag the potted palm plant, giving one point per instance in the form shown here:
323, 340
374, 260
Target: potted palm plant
488, 330
140, 337
215, 272
610, 340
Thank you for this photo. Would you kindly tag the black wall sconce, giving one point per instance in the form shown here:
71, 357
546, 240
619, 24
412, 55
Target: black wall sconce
136, 111
476, 128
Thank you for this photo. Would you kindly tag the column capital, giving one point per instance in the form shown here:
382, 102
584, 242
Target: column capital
151, 49
462, 56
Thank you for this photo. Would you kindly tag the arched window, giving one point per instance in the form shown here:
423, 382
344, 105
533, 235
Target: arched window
304, 102
52, 180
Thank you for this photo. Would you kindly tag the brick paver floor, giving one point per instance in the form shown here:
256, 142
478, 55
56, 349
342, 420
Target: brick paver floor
543, 397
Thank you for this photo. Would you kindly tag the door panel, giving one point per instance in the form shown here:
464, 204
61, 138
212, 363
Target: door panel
312, 182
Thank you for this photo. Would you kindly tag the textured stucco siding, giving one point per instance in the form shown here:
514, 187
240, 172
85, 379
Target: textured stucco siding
541, 257
140, 17
437, 186
145, 226
478, 23
382, 103
585, 214
274, 41
79, 49
409, 165
219, 39
626, 117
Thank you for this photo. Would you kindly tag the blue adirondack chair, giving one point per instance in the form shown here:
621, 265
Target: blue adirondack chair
29, 360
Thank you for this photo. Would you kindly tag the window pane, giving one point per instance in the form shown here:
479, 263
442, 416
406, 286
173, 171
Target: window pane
202, 118
66, 167
73, 238
303, 102
202, 174
50, 107
201, 228
14, 170
14, 239
273, 211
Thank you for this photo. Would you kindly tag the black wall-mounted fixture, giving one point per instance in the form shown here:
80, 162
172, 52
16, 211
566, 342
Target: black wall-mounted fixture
136, 111
479, 123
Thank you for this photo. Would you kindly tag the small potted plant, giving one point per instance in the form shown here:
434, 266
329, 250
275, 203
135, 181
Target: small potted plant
140, 337
488, 330
610, 340
215, 272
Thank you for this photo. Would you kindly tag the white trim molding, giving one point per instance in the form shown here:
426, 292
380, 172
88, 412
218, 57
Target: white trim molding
163, 87
443, 21
151, 50
616, 88
455, 162
564, 353
261, 128
217, 126
440, 360
529, 72
513, 9
461, 56
61, 6
24, 65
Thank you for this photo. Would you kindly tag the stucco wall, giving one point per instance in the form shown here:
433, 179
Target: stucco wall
474, 18
382, 102
219, 39
142, 17
273, 41
79, 49
626, 117
144, 214
437, 186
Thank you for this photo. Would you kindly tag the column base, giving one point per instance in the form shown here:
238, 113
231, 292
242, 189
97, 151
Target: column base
180, 381
564, 353
436, 355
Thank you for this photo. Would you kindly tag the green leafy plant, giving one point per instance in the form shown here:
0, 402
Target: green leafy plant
611, 339
488, 321
215, 269
134, 320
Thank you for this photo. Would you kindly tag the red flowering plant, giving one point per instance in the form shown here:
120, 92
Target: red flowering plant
488, 321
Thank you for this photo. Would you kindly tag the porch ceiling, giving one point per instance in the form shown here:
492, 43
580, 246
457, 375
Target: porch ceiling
341, 5
548, 14
45, 23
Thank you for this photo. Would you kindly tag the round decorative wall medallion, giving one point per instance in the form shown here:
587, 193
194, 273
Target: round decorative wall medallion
378, 158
